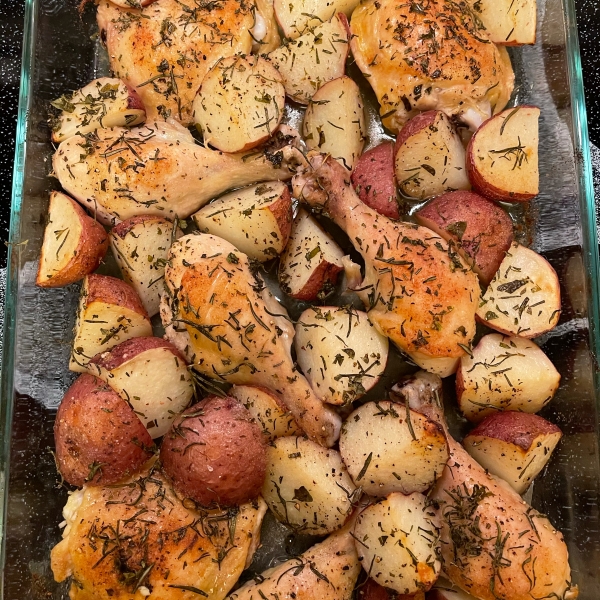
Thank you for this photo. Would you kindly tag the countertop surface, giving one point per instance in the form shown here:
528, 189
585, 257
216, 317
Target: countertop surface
11, 31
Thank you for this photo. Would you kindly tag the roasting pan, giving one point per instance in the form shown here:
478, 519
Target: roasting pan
61, 53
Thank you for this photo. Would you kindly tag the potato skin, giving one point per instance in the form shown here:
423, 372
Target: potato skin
215, 453
104, 288
415, 125
98, 437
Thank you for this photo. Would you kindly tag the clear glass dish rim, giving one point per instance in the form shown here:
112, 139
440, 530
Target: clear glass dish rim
589, 233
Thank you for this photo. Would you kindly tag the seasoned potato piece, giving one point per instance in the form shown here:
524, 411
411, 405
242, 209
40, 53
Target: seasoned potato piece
313, 59
340, 352
398, 543
104, 102
267, 410
502, 157
430, 158
514, 446
505, 373
215, 454
334, 122
310, 265
240, 103
257, 220
109, 313
389, 448
140, 246
524, 297
508, 22
307, 486
74, 243
99, 439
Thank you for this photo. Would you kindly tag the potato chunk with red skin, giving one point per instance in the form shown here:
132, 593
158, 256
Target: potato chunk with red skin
99, 439
215, 453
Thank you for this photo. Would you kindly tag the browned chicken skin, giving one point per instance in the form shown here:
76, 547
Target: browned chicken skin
430, 54
417, 290
494, 545
165, 49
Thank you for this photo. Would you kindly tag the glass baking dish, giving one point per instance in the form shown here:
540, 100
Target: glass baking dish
60, 53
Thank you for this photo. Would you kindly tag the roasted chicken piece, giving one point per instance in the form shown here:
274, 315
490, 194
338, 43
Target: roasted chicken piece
417, 289
231, 328
494, 545
431, 54
165, 49
159, 169
327, 571
137, 539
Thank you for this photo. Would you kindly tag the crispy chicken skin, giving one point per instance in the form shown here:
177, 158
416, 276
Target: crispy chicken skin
417, 290
125, 540
432, 54
165, 49
232, 329
158, 169
494, 545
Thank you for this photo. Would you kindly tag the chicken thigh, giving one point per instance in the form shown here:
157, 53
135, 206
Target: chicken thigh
417, 289
231, 328
137, 539
158, 169
494, 545
165, 49
431, 54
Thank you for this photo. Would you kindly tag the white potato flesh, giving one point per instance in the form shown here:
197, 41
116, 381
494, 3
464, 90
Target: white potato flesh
505, 373
307, 486
240, 103
340, 352
295, 18
256, 220
502, 157
311, 262
140, 246
390, 448
444, 367
105, 102
156, 383
102, 325
508, 22
334, 122
397, 542
523, 299
431, 160
267, 410
313, 59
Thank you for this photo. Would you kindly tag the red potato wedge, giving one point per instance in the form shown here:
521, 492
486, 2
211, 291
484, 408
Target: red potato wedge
389, 448
374, 180
109, 313
151, 375
103, 103
481, 230
140, 246
257, 220
74, 244
312, 261
99, 439
239, 104
504, 374
524, 297
513, 446
334, 122
304, 65
267, 410
340, 352
502, 156
409, 567
429, 157
296, 18
508, 22
215, 454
